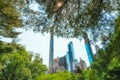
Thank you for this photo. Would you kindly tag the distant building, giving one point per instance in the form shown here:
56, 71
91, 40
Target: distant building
75, 65
68, 65
55, 65
66, 62
82, 64
59, 64
97, 48
62, 63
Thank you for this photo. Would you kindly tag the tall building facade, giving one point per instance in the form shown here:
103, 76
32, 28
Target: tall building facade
62, 63
82, 64
55, 64
75, 65
88, 48
71, 55
51, 50
68, 65
59, 64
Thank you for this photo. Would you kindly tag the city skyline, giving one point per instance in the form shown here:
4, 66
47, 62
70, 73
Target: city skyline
39, 43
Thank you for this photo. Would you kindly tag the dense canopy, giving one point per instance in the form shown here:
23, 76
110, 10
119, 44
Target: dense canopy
71, 18
9, 18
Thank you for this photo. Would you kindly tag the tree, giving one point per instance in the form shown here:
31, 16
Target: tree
19, 64
14, 67
9, 18
73, 17
36, 66
107, 65
114, 65
9, 47
59, 76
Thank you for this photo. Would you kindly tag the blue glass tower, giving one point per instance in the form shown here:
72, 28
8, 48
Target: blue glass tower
88, 48
71, 55
68, 66
51, 50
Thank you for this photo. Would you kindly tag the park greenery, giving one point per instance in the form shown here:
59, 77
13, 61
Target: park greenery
18, 64
70, 18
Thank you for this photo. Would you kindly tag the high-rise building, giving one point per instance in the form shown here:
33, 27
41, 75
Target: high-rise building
88, 48
62, 63
75, 65
82, 64
55, 64
71, 51
59, 64
51, 50
68, 66
71, 55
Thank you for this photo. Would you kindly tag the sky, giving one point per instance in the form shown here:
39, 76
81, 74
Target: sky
39, 43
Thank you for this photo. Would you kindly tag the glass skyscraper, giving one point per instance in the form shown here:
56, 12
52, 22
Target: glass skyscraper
88, 48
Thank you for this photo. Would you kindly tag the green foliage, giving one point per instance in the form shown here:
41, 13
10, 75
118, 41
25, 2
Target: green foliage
17, 64
14, 67
74, 17
59, 76
107, 65
10, 47
9, 18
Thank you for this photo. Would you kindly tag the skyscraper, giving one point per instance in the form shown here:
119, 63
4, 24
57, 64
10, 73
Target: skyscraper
55, 64
82, 64
88, 48
71, 54
51, 50
75, 65
62, 63
68, 67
